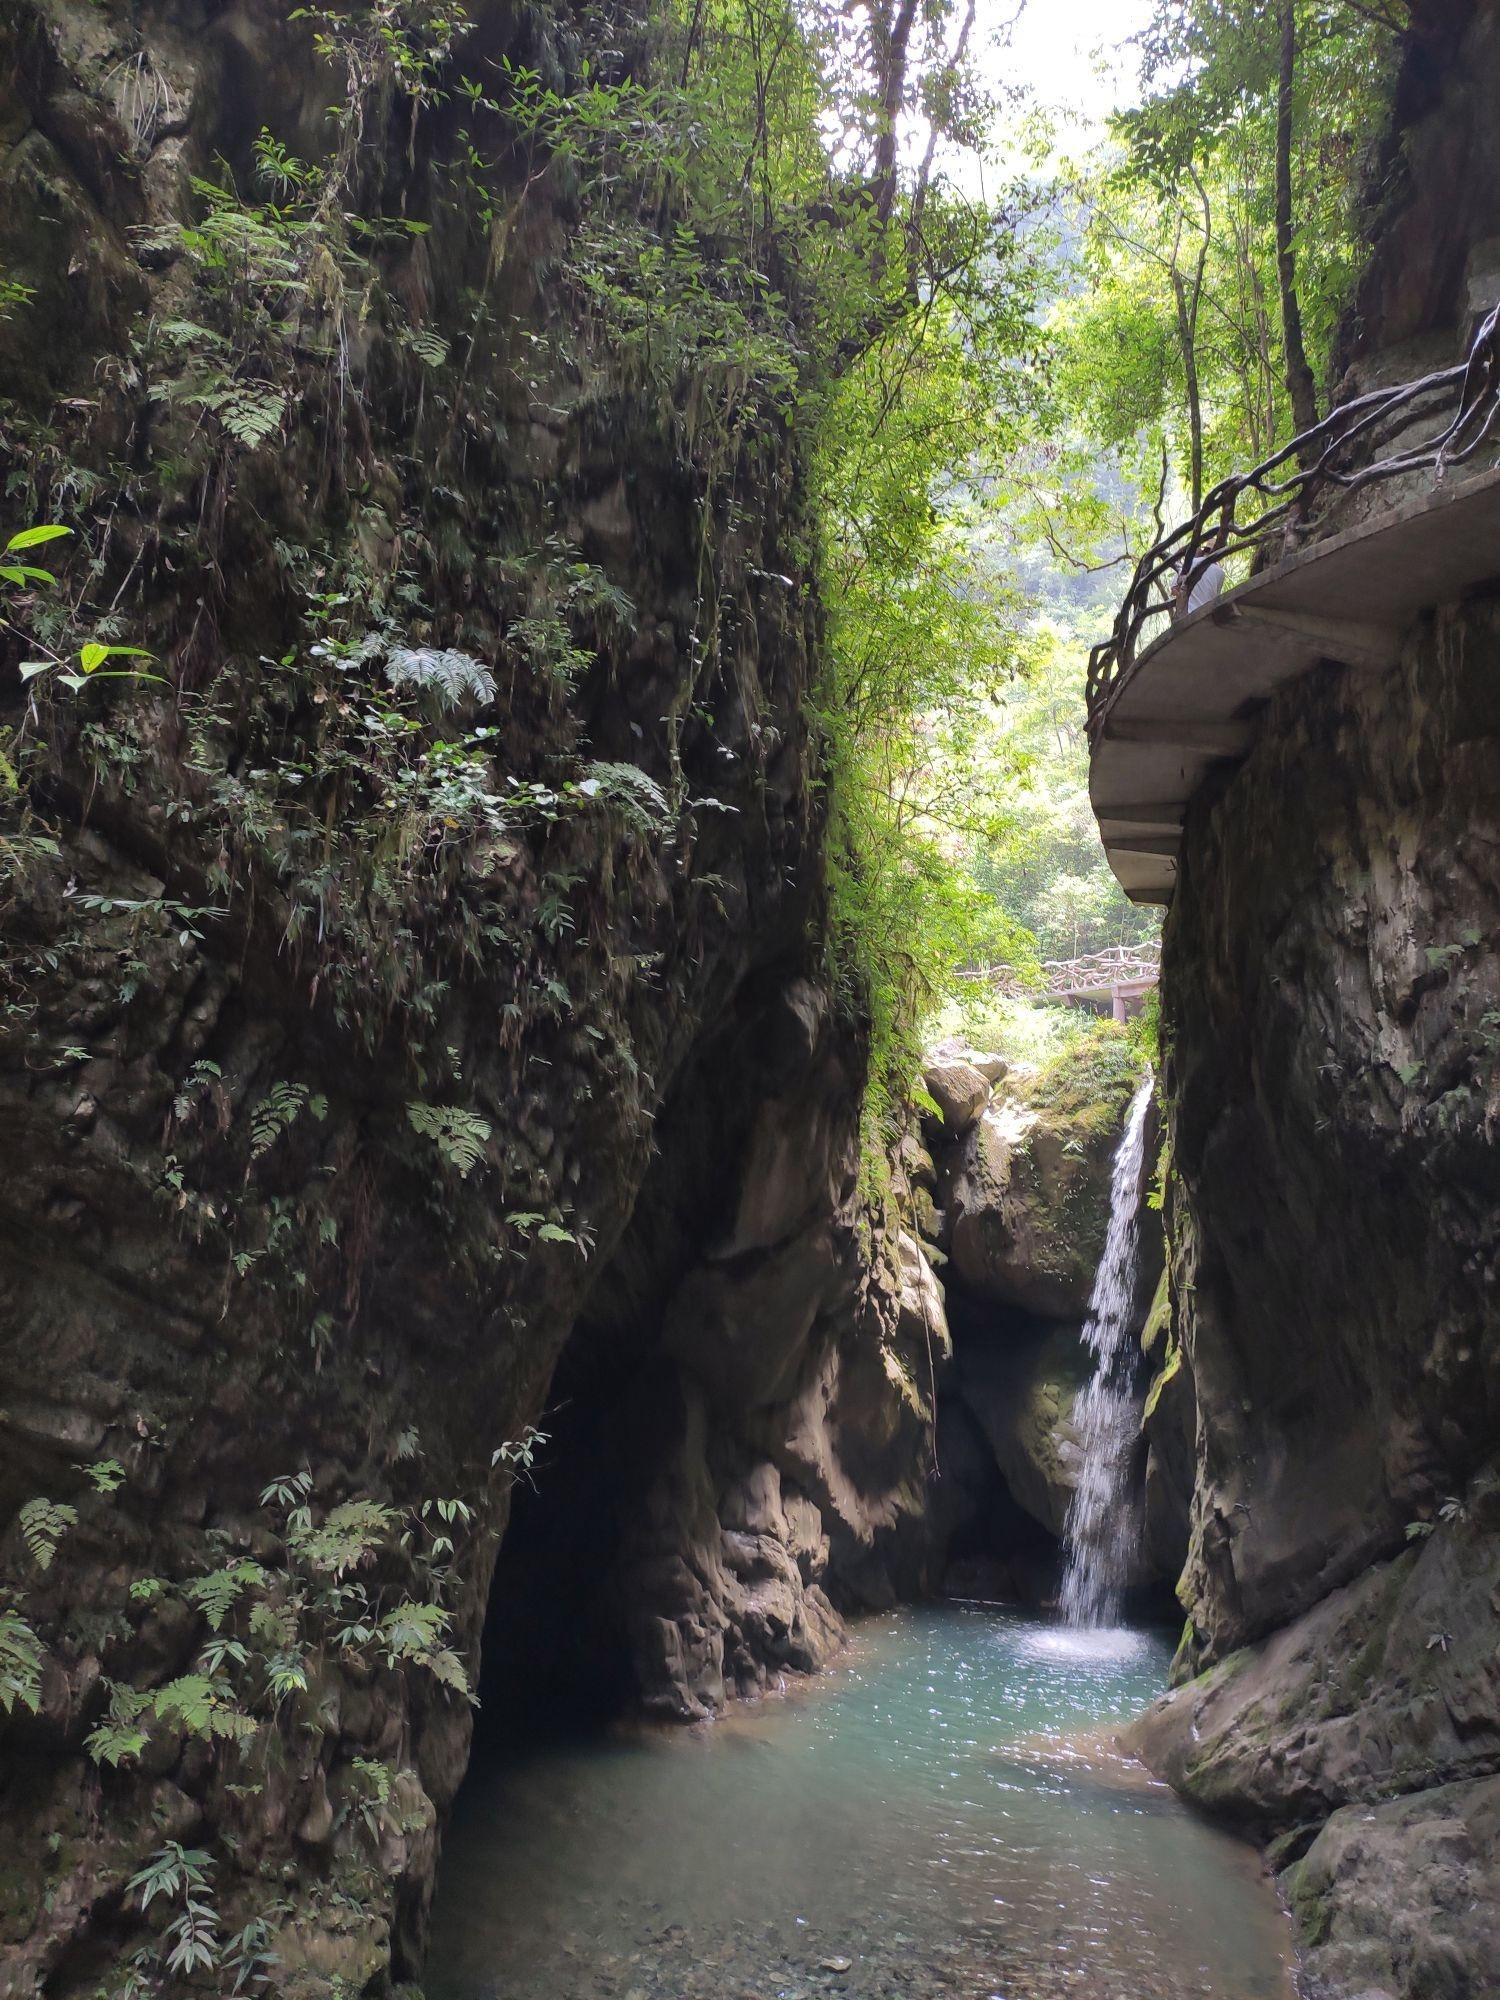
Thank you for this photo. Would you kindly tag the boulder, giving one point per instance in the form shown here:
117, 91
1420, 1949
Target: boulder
989, 1062
1371, 1725
1028, 1209
1404, 1897
1388, 1685
959, 1089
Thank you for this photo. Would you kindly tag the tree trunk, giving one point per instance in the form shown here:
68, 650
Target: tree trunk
1299, 376
891, 35
1187, 340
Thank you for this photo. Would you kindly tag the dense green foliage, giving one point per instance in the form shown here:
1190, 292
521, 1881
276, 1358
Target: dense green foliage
777, 230
1180, 349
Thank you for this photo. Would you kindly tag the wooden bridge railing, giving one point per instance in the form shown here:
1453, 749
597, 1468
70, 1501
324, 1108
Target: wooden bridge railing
1354, 446
1119, 965
1095, 972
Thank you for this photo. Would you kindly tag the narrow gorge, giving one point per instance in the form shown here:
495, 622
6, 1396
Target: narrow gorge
650, 1348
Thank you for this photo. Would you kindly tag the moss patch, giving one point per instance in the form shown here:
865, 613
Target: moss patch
1089, 1082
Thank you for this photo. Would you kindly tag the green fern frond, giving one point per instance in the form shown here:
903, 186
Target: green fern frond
20, 1664
43, 1525
460, 1136
633, 794
451, 674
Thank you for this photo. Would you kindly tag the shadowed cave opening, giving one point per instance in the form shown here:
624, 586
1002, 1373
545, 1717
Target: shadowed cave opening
556, 1656
557, 1651
989, 1547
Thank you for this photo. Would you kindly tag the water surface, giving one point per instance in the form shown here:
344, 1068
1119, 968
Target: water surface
941, 1815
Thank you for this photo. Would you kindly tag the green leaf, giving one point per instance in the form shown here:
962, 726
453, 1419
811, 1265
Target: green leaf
32, 538
93, 655
20, 1664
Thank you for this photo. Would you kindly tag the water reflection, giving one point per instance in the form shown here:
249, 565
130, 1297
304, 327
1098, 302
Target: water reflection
946, 1816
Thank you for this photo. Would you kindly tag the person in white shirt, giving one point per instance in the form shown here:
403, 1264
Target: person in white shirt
1207, 578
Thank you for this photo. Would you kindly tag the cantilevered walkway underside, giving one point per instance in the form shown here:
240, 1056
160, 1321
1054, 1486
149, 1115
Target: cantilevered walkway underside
1162, 717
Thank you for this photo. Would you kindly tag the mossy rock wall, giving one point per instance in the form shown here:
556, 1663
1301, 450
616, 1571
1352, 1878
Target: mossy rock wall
343, 1026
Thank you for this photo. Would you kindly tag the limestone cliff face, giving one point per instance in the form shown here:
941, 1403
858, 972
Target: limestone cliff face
1331, 993
1333, 1061
1434, 220
359, 1033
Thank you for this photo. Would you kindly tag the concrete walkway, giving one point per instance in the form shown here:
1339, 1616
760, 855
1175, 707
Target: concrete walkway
1193, 697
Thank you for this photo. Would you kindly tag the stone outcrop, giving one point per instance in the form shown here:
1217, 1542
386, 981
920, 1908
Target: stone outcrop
1389, 1685
1333, 1100
1028, 1205
960, 1082
1332, 1103
1404, 1896
1020, 1386
804, 1341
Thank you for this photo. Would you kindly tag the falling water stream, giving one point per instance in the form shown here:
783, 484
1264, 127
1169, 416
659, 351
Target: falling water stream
1103, 1527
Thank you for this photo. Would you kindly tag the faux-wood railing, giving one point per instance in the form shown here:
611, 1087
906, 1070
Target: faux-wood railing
1353, 446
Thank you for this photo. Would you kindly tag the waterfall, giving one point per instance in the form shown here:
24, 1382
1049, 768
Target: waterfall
1103, 1526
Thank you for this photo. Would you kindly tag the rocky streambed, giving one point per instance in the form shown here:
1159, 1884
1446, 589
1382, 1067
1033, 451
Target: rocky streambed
943, 1814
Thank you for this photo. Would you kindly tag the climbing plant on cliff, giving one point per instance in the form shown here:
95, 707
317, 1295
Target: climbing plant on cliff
886, 319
